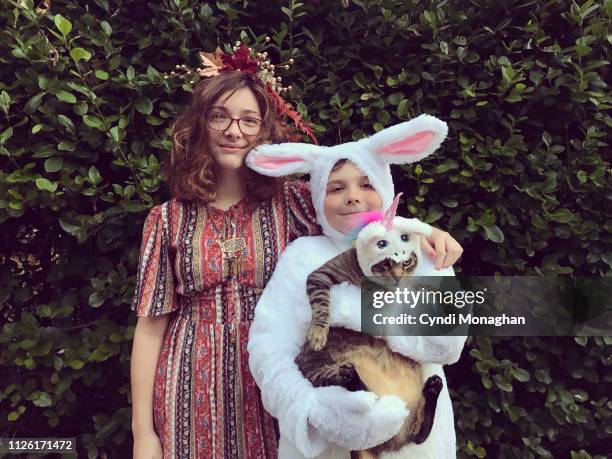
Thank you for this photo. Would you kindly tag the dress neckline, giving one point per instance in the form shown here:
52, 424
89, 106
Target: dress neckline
230, 209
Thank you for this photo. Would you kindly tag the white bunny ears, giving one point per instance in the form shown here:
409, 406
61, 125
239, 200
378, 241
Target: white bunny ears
403, 143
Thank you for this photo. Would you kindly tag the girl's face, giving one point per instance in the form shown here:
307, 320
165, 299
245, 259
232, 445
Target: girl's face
230, 147
348, 192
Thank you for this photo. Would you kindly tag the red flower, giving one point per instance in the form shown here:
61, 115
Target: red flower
241, 60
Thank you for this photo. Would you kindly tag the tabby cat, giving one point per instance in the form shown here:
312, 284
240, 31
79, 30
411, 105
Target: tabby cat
357, 361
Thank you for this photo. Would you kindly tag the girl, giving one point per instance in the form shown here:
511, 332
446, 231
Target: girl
327, 422
205, 257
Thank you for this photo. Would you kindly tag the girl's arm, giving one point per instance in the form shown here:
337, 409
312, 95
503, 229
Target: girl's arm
146, 348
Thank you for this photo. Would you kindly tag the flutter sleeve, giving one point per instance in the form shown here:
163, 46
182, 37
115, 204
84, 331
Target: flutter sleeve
301, 215
155, 293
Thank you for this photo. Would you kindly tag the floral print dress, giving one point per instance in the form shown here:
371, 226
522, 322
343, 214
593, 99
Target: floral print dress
207, 268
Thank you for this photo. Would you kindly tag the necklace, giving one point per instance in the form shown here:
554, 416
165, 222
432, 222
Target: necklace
233, 247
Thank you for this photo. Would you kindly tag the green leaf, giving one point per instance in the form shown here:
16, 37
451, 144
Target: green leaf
562, 216
6, 134
43, 400
66, 122
145, 106
79, 53
66, 97
403, 109
77, 364
45, 185
62, 24
53, 164
96, 299
106, 28
94, 175
494, 233
93, 121
33, 103
101, 74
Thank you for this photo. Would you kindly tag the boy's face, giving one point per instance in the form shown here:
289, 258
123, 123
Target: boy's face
348, 192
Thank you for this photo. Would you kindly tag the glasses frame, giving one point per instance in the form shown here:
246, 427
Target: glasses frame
232, 119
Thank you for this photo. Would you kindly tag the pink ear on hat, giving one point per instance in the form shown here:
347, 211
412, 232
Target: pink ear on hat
413, 145
409, 141
272, 162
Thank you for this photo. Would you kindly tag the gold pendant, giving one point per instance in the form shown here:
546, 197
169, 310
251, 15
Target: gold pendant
231, 246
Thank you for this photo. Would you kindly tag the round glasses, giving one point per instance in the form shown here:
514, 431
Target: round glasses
221, 122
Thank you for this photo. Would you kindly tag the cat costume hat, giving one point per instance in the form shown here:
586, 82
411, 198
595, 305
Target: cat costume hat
309, 418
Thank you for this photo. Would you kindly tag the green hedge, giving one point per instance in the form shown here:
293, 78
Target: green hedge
522, 183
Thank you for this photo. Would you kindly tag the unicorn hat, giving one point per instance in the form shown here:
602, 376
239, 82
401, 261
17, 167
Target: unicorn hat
403, 143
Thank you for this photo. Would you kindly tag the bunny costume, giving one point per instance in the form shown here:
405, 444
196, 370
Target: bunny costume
328, 422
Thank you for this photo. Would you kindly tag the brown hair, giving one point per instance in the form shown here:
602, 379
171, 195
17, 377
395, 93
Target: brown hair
338, 164
190, 172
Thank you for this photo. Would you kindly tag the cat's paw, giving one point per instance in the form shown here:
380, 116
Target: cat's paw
317, 337
432, 387
347, 371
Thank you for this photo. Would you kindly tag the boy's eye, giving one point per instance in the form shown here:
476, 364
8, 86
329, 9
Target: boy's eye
334, 189
368, 186
405, 237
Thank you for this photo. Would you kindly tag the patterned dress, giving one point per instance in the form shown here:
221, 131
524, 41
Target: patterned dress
205, 401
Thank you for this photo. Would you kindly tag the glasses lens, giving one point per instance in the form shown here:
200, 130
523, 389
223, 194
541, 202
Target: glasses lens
218, 121
249, 126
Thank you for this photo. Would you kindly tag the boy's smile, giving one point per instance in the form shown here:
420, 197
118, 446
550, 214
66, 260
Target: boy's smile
348, 193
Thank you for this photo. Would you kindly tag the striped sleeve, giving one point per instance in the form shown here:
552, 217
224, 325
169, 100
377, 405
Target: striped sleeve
155, 286
301, 216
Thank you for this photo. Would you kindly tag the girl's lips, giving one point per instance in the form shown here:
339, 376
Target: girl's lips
231, 148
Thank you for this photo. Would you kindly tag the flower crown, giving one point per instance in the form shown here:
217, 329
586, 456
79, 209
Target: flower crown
241, 60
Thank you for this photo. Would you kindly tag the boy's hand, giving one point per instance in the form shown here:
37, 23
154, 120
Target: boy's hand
442, 247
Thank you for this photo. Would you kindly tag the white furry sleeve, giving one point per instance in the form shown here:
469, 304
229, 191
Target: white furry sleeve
278, 330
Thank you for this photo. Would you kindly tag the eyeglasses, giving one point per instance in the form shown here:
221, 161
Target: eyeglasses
221, 122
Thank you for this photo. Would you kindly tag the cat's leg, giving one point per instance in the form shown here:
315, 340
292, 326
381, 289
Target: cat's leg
350, 378
431, 390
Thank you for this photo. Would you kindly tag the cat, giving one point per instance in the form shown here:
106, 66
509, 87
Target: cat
357, 361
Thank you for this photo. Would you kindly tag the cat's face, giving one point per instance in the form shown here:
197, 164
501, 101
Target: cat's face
395, 252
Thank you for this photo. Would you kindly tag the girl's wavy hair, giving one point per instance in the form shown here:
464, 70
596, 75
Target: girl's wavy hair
189, 172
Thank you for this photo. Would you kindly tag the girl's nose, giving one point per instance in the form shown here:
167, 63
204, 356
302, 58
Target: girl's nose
233, 130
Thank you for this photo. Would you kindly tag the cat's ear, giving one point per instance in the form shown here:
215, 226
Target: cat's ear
408, 142
412, 226
283, 159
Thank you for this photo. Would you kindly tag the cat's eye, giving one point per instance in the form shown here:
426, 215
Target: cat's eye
382, 244
405, 237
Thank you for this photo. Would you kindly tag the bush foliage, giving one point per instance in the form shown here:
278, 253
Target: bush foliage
522, 182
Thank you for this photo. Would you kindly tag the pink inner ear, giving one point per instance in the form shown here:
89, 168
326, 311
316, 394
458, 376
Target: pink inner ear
411, 145
273, 162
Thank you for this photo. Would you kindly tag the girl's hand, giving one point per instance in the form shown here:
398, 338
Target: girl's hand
147, 446
442, 247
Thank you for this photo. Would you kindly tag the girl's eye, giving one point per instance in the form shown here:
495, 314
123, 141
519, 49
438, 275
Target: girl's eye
382, 244
251, 121
405, 237
218, 117
368, 186
334, 190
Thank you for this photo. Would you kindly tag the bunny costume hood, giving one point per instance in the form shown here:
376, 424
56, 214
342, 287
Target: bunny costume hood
328, 422
403, 143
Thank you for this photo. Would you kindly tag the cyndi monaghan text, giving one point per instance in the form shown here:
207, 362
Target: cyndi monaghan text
451, 319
